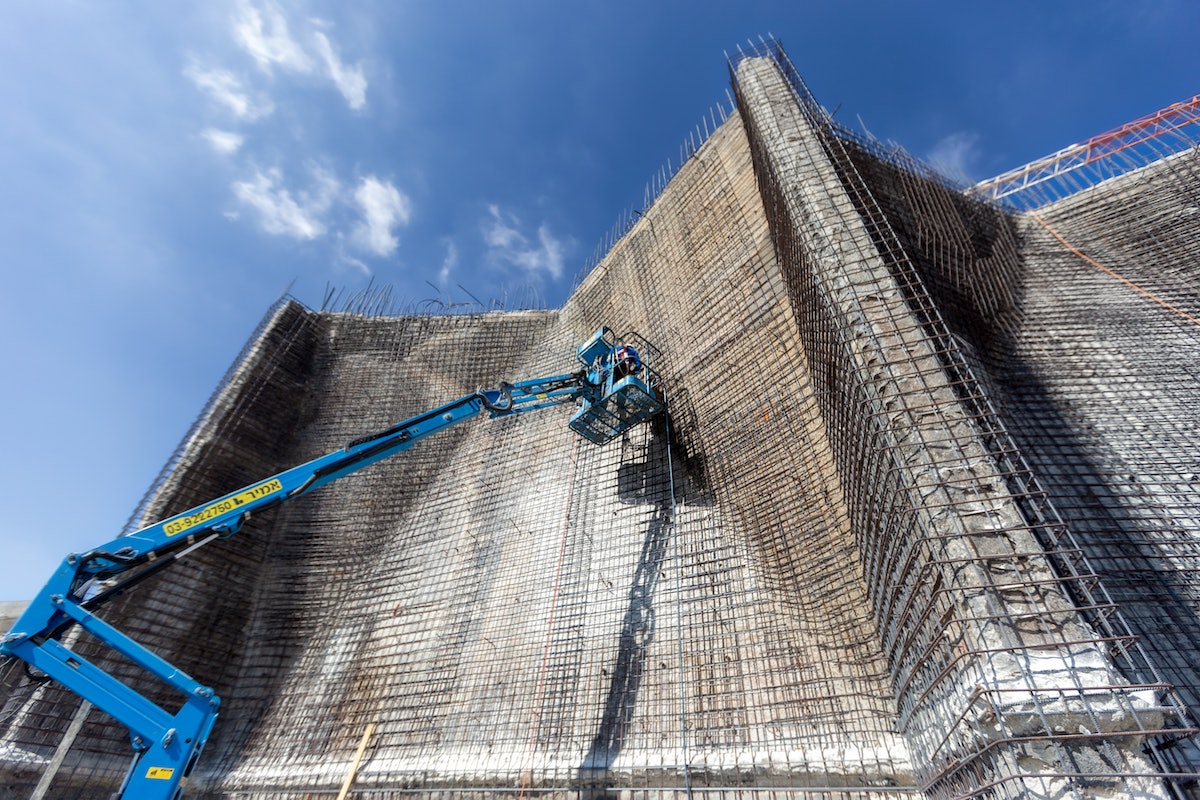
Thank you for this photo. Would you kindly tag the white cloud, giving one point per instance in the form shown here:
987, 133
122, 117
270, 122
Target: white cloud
344, 260
498, 234
955, 155
384, 208
448, 263
262, 31
311, 212
225, 88
264, 35
224, 142
280, 211
350, 81
507, 246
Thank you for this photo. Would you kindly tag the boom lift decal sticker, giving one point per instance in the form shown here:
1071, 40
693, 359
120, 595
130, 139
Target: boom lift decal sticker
192, 519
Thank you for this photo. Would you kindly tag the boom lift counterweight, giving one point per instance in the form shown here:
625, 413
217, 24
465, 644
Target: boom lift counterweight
616, 392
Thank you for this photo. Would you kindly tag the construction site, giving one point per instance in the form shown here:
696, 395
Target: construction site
920, 519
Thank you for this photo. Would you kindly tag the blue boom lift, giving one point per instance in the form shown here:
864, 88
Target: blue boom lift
616, 392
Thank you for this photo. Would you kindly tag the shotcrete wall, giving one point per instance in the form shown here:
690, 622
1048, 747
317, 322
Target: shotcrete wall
827, 572
979, 622
1096, 380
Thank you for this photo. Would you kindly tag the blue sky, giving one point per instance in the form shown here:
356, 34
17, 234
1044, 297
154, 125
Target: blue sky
166, 171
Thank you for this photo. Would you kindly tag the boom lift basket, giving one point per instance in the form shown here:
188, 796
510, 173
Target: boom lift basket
623, 401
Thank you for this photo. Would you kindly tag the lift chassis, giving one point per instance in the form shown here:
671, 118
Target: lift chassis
615, 391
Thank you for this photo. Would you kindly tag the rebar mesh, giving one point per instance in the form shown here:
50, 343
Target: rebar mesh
1092, 366
1013, 670
921, 519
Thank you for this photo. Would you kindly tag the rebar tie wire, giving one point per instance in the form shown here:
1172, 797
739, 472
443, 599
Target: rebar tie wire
683, 720
1113, 273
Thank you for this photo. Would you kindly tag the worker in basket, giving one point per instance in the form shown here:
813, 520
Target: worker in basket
627, 362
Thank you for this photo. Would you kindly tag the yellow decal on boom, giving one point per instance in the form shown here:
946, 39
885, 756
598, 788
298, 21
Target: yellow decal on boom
160, 773
192, 519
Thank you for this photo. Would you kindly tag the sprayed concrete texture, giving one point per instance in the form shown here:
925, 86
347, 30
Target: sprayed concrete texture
829, 573
10, 611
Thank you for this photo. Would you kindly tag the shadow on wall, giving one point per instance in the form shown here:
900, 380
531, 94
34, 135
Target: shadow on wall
644, 478
637, 632
638, 479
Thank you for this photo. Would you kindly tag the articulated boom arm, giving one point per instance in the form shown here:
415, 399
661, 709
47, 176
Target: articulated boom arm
616, 392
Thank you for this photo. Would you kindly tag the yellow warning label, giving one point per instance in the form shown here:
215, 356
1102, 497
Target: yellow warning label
225, 504
160, 773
